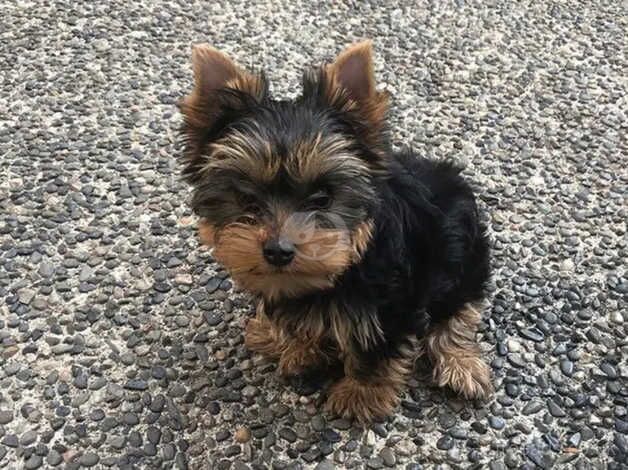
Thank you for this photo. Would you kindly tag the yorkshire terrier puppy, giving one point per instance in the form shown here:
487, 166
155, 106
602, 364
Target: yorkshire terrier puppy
357, 255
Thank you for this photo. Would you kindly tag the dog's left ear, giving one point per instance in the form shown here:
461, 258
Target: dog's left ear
352, 72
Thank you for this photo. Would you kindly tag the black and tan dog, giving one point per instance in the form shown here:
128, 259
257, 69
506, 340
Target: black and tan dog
357, 255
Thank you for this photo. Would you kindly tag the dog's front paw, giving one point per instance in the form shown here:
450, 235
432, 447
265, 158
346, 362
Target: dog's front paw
298, 358
261, 337
468, 376
363, 401
295, 361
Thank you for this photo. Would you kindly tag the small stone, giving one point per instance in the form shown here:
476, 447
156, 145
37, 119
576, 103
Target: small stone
213, 284
136, 385
341, 424
543, 460
249, 391
242, 434
6, 416
34, 461
10, 440
25, 296
567, 367
513, 346
130, 419
232, 450
445, 443
288, 434
496, 422
388, 457
89, 459
555, 410
532, 407
54, 458
533, 334
330, 435
574, 440
153, 435
28, 438
325, 465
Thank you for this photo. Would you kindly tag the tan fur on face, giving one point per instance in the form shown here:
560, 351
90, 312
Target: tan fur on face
206, 233
361, 238
314, 157
320, 257
456, 356
237, 246
247, 153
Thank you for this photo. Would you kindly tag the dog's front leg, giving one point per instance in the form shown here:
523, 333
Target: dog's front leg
263, 336
299, 349
375, 371
371, 388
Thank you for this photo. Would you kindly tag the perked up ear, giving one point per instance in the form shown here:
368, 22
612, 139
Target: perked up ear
353, 70
221, 89
212, 69
352, 75
215, 71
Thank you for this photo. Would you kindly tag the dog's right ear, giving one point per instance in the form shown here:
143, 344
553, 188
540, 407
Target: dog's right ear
222, 90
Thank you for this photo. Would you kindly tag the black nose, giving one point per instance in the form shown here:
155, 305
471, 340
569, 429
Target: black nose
278, 252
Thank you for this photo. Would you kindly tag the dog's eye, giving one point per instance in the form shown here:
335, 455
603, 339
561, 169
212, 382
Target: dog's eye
317, 201
247, 219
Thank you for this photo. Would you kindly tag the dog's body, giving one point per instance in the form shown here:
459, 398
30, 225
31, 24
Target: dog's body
358, 256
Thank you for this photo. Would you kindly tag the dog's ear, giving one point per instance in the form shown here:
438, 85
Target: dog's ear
348, 84
212, 69
353, 71
222, 91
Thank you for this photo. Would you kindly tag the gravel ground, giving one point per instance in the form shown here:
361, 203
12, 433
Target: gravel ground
120, 338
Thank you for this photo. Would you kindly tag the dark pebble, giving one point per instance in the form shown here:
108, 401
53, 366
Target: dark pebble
136, 385
445, 443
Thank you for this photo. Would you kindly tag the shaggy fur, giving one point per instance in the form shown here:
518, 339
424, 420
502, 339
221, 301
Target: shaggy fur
386, 250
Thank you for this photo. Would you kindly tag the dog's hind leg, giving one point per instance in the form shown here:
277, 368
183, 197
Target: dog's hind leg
455, 355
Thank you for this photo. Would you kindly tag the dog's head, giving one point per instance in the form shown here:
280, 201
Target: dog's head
286, 190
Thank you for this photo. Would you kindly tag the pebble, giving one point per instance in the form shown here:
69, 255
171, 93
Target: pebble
6, 416
445, 443
242, 434
555, 410
388, 457
496, 422
34, 461
532, 407
288, 434
89, 459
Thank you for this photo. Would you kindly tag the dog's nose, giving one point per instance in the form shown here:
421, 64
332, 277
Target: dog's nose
278, 252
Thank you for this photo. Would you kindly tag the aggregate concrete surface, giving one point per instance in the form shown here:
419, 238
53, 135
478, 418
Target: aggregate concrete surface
121, 340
